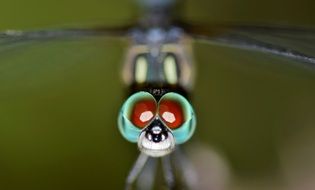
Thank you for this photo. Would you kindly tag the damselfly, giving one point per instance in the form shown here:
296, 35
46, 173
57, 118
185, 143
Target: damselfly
159, 72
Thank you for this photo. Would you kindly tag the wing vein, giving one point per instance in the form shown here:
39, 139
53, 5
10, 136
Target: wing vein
243, 42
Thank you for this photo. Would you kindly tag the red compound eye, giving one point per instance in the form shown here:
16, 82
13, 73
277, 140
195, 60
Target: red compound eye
142, 113
171, 113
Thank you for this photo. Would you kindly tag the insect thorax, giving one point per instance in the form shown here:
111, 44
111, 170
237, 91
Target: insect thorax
159, 57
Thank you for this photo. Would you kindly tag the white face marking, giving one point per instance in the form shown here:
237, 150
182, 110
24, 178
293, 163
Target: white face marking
141, 69
170, 69
147, 146
146, 116
169, 117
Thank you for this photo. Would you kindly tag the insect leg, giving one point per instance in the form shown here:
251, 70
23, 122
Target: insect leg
136, 170
186, 169
146, 179
168, 172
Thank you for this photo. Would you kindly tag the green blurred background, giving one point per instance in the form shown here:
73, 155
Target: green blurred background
59, 101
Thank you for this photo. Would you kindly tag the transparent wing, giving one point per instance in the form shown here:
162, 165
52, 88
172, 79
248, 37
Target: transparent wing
59, 102
250, 91
13, 38
292, 43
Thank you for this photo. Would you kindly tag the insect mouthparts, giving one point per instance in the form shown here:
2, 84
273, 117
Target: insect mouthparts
156, 140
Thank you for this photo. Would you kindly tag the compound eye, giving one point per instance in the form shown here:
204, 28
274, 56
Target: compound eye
171, 112
143, 111
135, 114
